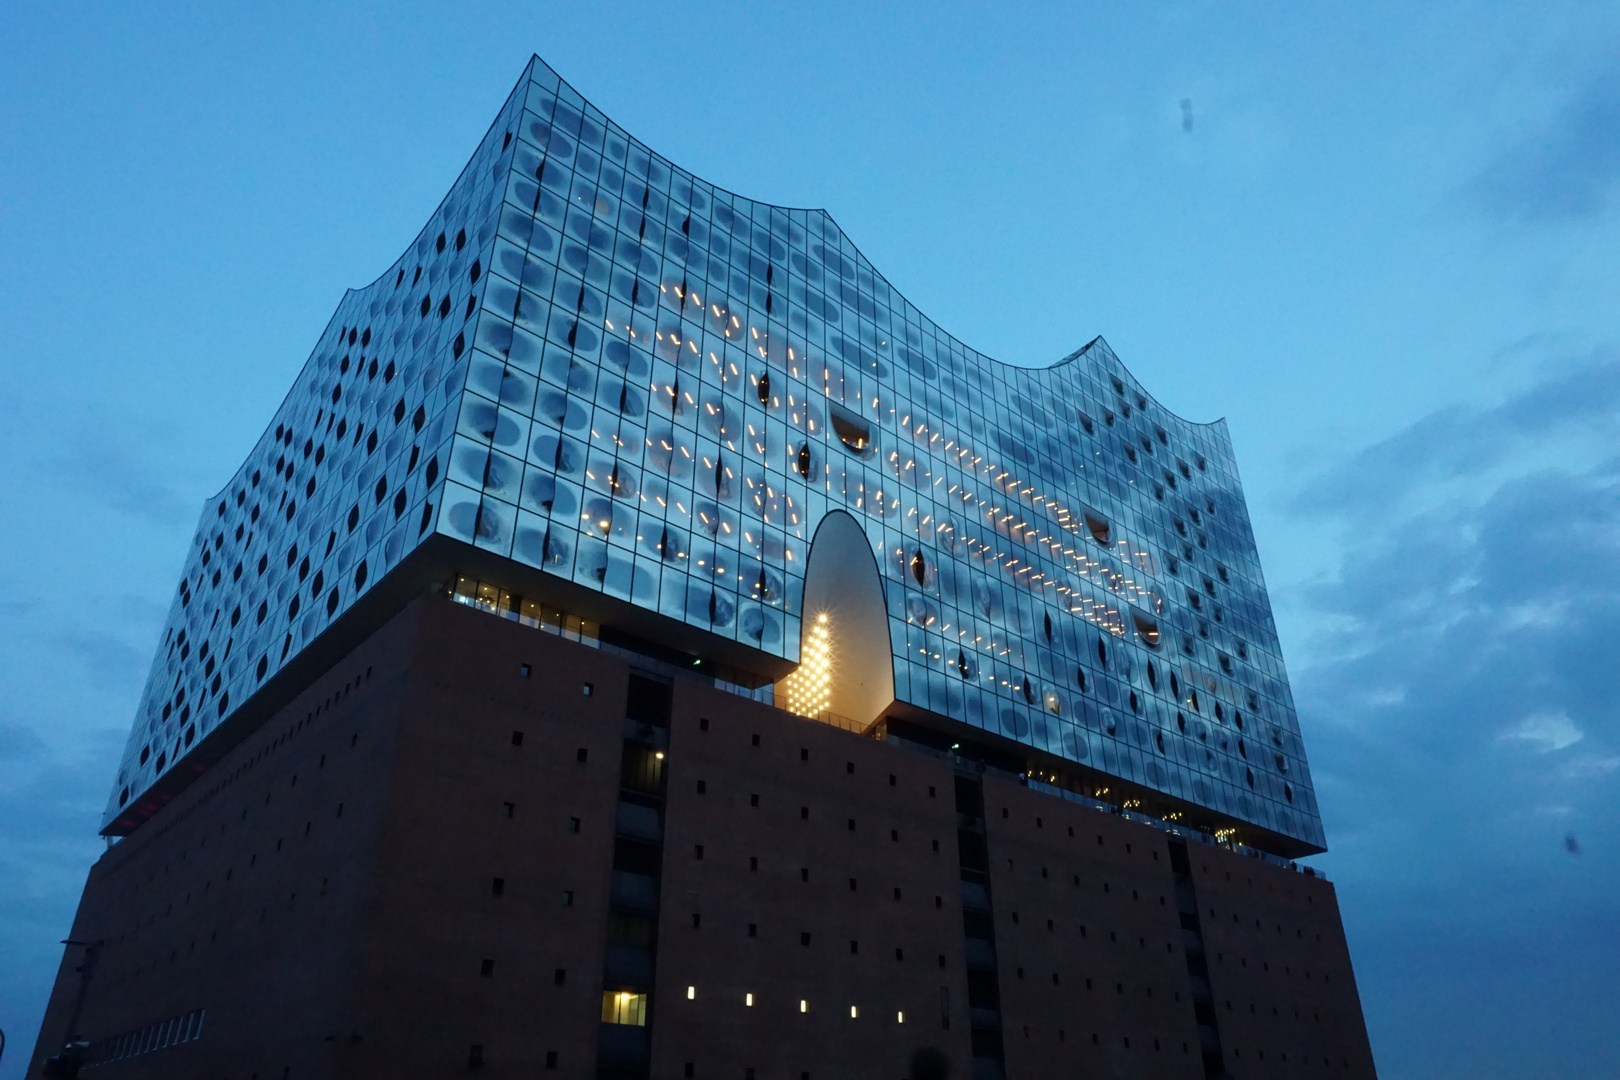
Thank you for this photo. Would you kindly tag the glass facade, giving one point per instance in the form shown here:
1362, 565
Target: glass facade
598, 365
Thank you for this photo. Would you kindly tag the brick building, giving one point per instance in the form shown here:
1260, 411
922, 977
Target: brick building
667, 653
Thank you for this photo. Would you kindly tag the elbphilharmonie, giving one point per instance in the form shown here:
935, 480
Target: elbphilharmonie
643, 644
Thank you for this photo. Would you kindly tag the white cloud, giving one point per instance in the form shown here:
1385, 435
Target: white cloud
1547, 731
1594, 766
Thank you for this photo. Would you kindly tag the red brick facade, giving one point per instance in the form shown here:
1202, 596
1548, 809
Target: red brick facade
385, 881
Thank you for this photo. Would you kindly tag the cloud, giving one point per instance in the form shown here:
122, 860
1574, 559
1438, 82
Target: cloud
18, 743
110, 662
122, 471
50, 806
1547, 731
1579, 394
1455, 688
1568, 170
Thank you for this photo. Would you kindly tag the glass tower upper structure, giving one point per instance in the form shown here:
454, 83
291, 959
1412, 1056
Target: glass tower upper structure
598, 366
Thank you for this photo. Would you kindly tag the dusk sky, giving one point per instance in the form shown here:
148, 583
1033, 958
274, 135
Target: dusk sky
1371, 236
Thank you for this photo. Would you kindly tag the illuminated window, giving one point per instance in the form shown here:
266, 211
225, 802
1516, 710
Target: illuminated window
622, 1007
854, 1012
804, 1006
691, 993
748, 999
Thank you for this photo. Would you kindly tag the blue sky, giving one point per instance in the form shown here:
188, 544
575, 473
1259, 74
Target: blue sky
1385, 251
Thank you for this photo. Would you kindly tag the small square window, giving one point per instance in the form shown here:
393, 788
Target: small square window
753, 800
588, 689
753, 930
497, 886
804, 754
551, 1059
697, 851
703, 725
804, 938
804, 813
573, 824
525, 670
510, 808
486, 968
581, 754
702, 787
517, 738
568, 898
559, 977
849, 767
756, 738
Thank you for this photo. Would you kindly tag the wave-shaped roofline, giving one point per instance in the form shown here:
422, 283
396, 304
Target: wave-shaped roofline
535, 59
528, 74
844, 236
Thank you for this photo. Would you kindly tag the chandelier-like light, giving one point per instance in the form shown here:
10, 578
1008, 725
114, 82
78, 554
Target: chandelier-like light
809, 689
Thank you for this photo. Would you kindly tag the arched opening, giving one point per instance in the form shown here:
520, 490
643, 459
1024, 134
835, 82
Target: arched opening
846, 664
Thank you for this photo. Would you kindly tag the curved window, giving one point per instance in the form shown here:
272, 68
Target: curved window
853, 431
1149, 632
1100, 529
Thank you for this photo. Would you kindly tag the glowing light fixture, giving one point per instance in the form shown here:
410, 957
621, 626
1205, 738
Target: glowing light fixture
809, 689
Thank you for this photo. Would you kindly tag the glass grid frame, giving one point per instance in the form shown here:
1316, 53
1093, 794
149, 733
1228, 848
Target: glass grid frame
597, 364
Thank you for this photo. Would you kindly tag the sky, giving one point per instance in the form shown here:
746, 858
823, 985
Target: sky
1379, 238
